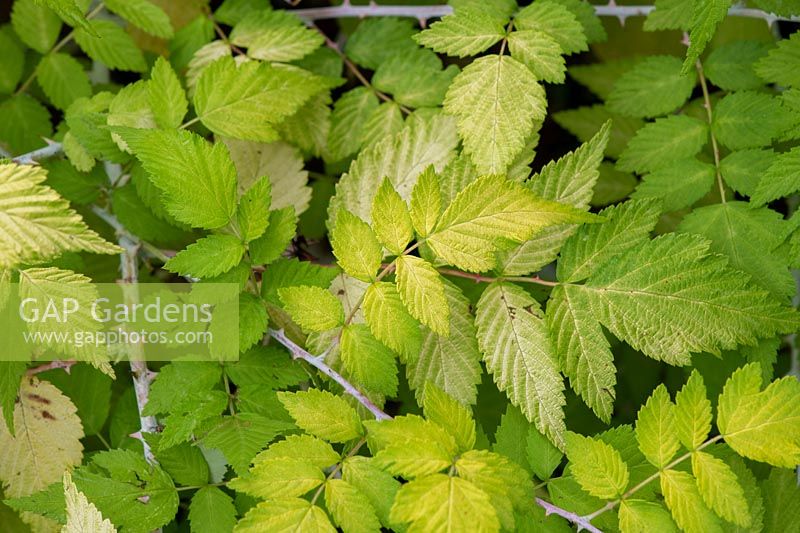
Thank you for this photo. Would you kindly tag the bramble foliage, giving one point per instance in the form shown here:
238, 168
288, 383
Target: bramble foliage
440, 329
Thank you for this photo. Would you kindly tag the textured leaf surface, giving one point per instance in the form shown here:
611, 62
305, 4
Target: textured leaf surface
422, 290
692, 412
518, 353
440, 502
687, 507
761, 425
498, 102
111, 45
82, 515
654, 86
323, 414
208, 257
488, 214
656, 429
197, 179
467, 32
659, 143
36, 224
597, 466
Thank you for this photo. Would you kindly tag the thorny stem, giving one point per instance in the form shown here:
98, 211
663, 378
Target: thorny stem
610, 505
58, 46
580, 521
66, 365
52, 149
299, 353
709, 115
356, 72
423, 13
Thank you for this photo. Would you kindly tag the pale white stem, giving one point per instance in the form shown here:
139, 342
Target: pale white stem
423, 13
318, 362
581, 521
52, 148
142, 377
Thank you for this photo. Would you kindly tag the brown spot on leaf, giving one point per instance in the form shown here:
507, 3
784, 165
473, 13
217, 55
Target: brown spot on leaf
37, 398
47, 416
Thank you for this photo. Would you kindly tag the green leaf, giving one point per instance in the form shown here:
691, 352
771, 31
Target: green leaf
597, 466
247, 101
585, 13
656, 428
385, 121
748, 119
761, 425
350, 508
693, 412
441, 408
275, 36
583, 123
211, 511
294, 514
706, 16
583, 350
281, 230
507, 486
13, 61
391, 220
543, 456
639, 516
197, 179
670, 15
62, 79
654, 86
282, 163
517, 351
242, 436
469, 31
422, 292
410, 446
108, 43
491, 212
144, 15
426, 139
730, 66
452, 362
720, 488
668, 297
444, 503
569, 180
426, 202
279, 478
415, 78
356, 247
118, 481
165, 95
369, 361
390, 322
38, 225
350, 112
253, 215
81, 514
660, 143
627, 225
556, 21
313, 308
35, 24
498, 102
303, 447
781, 496
25, 123
757, 255
323, 414
780, 64
208, 257
377, 485
687, 507
782, 178
377, 39
677, 185
540, 53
